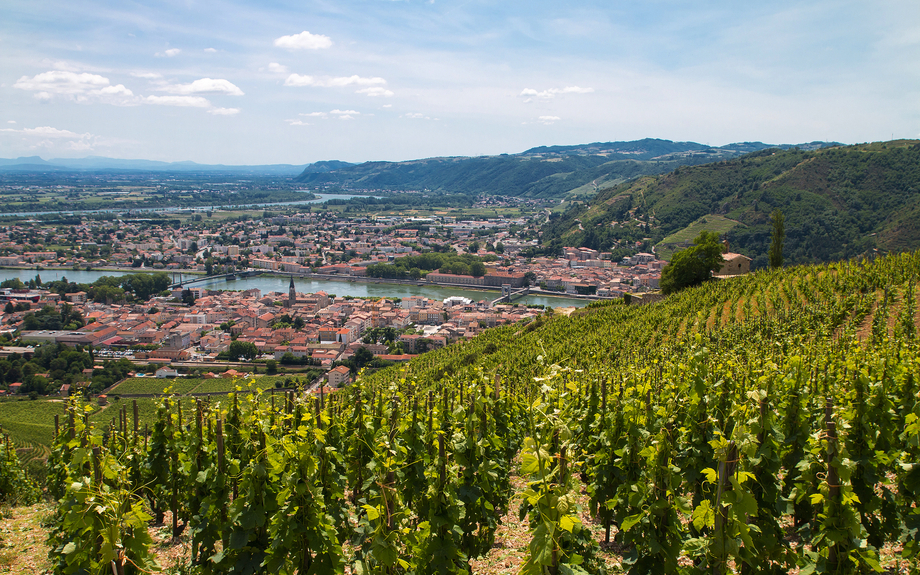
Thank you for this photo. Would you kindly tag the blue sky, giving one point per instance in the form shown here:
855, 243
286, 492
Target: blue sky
296, 82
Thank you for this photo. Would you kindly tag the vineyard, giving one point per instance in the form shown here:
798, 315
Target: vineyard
764, 424
195, 385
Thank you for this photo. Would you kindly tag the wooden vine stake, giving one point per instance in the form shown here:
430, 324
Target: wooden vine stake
726, 471
135, 421
833, 477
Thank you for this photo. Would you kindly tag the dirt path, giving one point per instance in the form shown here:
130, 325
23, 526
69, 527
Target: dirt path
22, 540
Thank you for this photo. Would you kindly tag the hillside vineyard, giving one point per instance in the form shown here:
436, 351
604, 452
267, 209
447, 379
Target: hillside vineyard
759, 424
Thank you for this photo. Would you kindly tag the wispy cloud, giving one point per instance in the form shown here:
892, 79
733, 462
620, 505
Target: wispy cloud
330, 81
530, 93
172, 52
376, 91
304, 41
277, 68
46, 132
180, 101
147, 75
204, 86
224, 111
334, 114
547, 120
210, 50
49, 137
345, 114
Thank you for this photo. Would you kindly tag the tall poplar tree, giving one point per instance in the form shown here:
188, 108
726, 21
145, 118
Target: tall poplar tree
776, 245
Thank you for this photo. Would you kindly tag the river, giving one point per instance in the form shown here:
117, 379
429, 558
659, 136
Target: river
267, 283
320, 199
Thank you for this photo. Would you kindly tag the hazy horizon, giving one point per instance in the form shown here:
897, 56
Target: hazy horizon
240, 83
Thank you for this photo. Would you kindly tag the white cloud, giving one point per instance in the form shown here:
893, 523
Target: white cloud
551, 93
168, 53
331, 82
414, 115
355, 81
63, 82
300, 80
314, 115
11, 121
277, 68
205, 86
304, 41
82, 87
298, 123
224, 111
547, 120
375, 91
118, 90
147, 75
181, 101
210, 50
345, 114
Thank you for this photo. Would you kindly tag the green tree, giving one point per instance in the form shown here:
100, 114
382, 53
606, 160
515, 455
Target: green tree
693, 265
242, 350
776, 243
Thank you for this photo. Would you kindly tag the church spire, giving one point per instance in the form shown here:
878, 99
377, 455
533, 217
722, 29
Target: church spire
292, 293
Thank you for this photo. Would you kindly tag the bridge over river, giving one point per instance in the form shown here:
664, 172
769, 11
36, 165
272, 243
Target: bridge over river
508, 296
230, 276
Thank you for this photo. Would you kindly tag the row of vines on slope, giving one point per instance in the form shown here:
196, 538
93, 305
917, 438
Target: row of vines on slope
742, 426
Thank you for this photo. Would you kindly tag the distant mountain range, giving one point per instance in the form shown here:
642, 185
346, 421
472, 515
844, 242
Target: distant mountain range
838, 203
543, 172
102, 164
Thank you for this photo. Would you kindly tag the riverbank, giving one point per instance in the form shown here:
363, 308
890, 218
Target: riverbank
40, 269
422, 283
329, 283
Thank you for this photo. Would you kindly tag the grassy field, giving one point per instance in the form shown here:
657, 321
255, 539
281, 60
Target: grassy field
710, 223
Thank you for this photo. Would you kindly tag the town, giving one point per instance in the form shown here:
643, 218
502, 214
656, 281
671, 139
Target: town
188, 326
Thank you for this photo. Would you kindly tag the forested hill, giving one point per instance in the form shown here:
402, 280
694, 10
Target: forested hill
544, 172
838, 203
